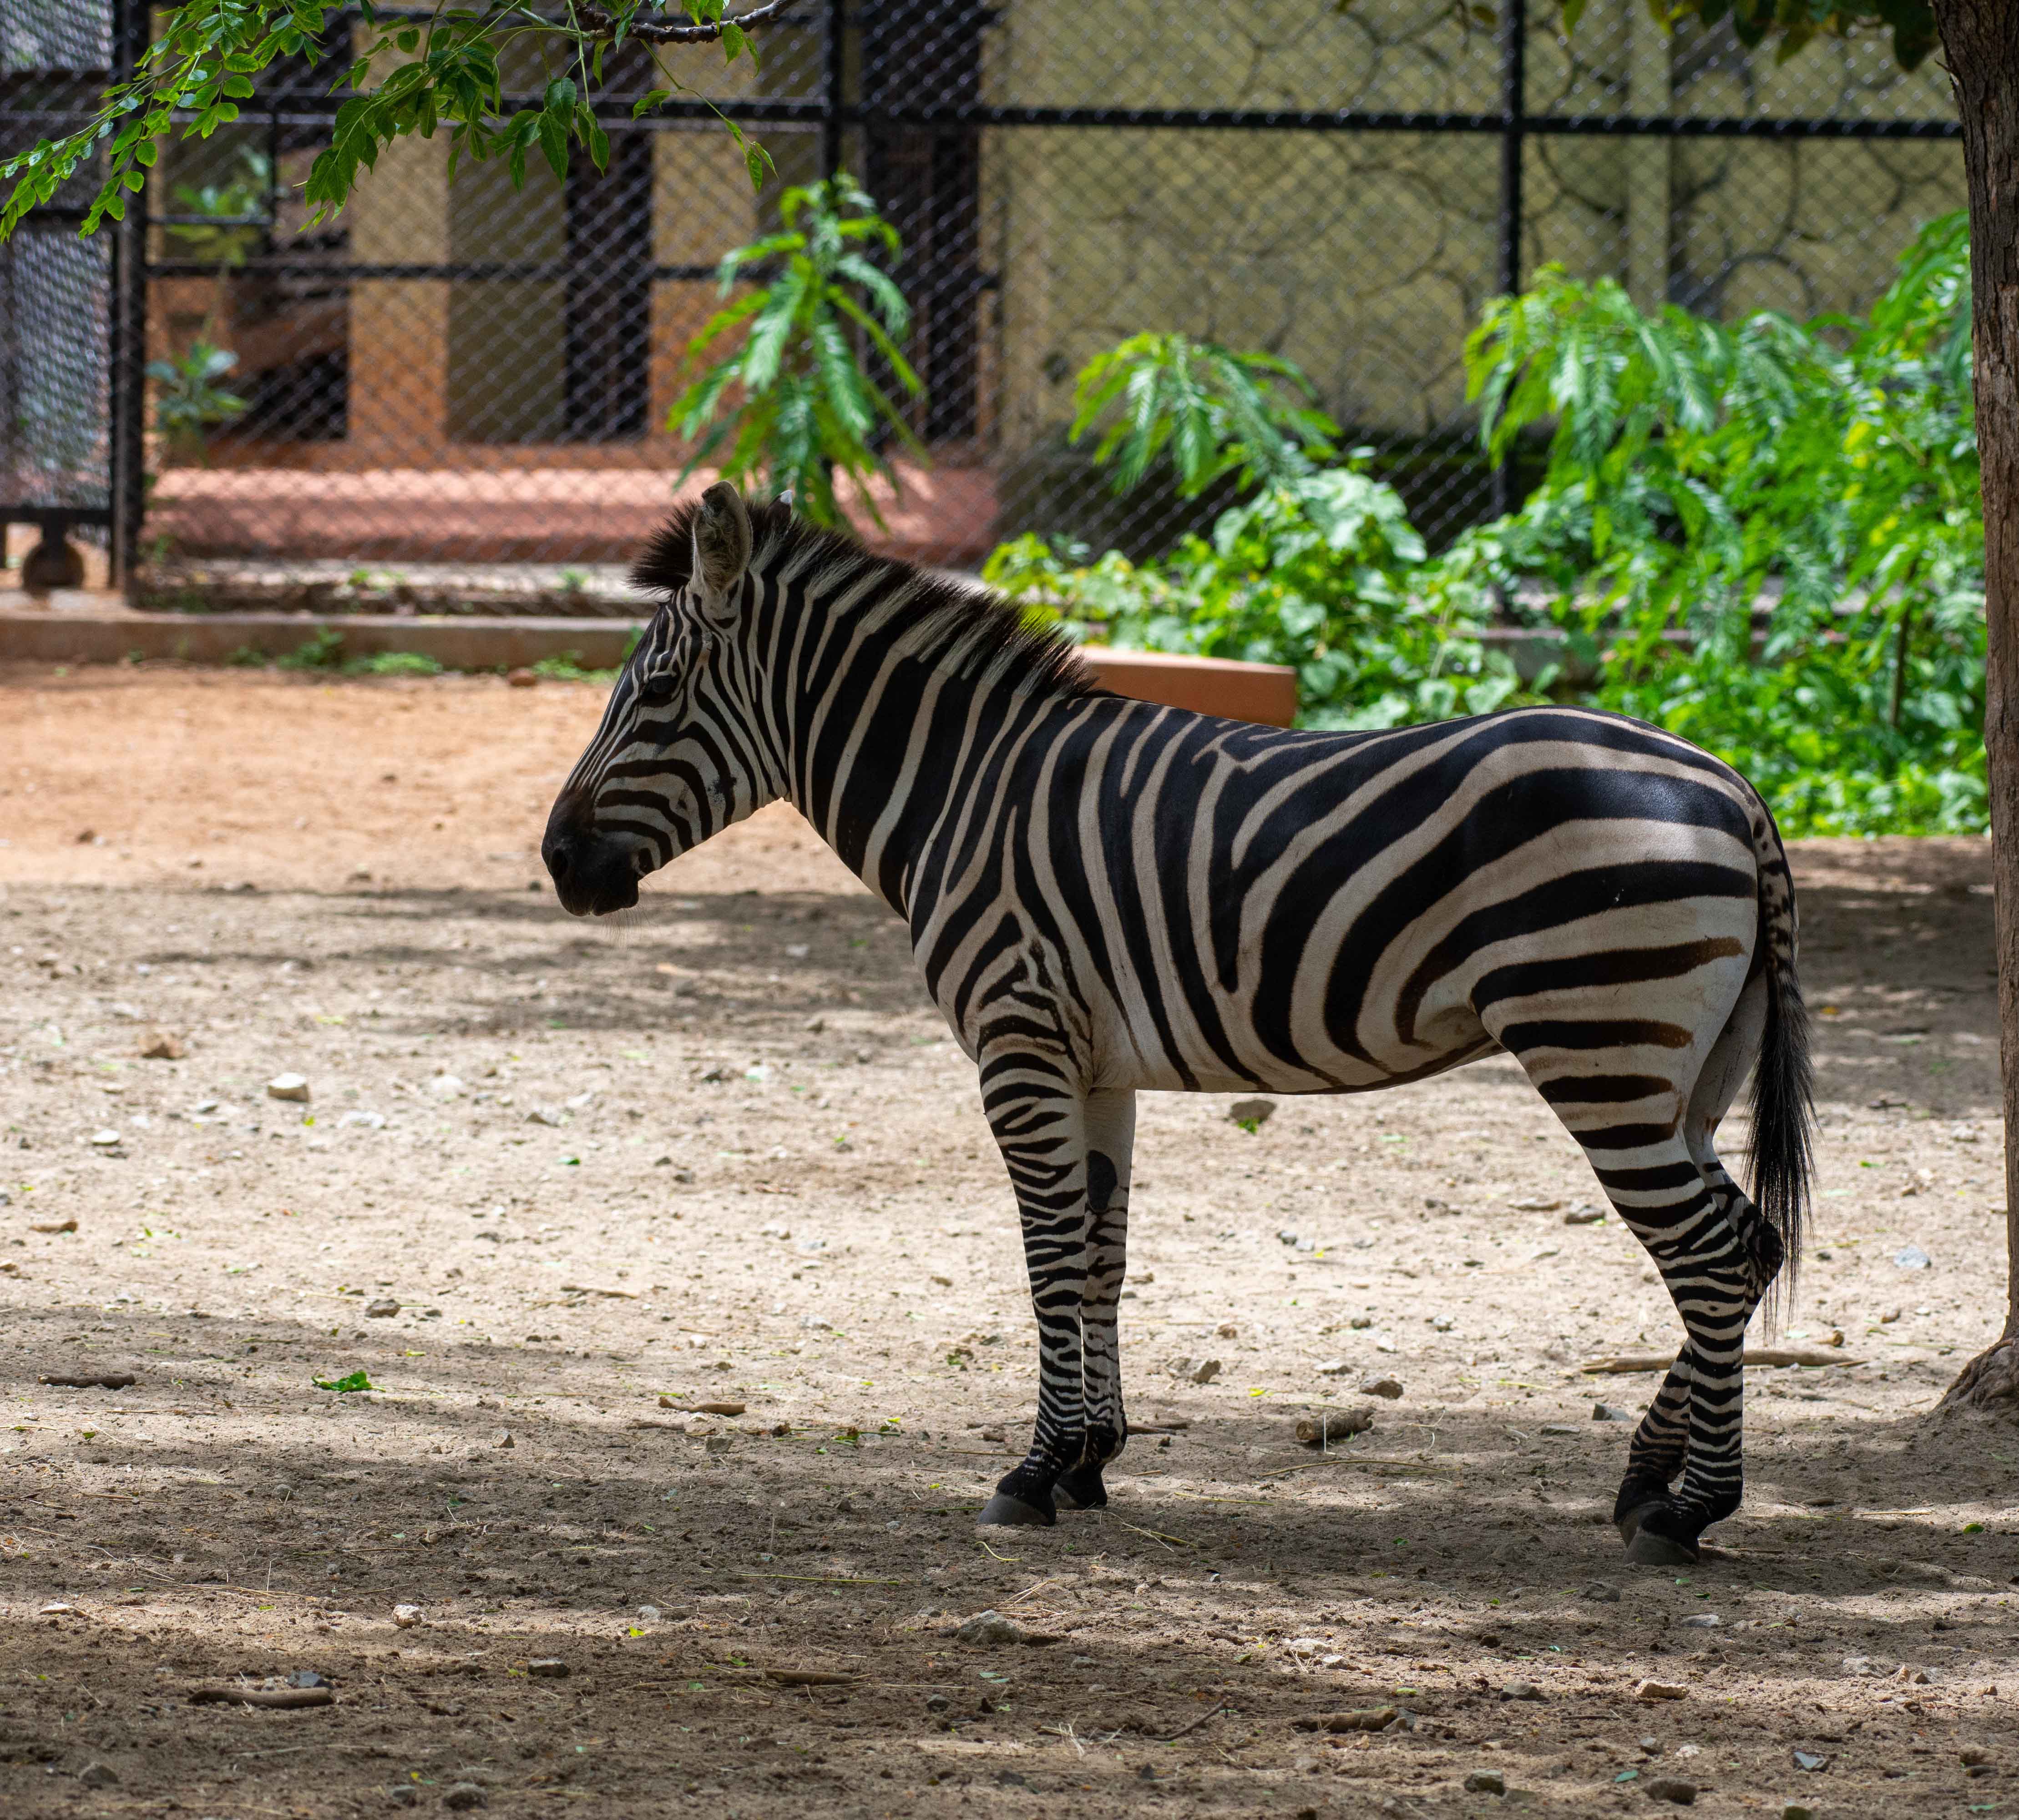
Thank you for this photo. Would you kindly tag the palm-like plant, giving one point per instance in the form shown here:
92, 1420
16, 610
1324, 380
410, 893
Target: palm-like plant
1211, 410
792, 403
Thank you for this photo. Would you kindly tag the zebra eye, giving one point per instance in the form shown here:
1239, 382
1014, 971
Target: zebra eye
656, 690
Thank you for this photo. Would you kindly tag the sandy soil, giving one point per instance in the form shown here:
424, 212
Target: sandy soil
723, 1153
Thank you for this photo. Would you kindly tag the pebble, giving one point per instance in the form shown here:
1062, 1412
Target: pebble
1702, 1621
1606, 1412
1809, 1760
382, 1310
1334, 1368
547, 1668
463, 1795
445, 1087
542, 1115
288, 1087
650, 1613
1670, 1789
98, 1775
1205, 1373
1660, 1691
937, 1702
406, 1617
106, 1140
1389, 1388
1520, 1690
1536, 1204
522, 677
1603, 1593
1256, 1112
1486, 1782
1587, 1215
990, 1628
1912, 1257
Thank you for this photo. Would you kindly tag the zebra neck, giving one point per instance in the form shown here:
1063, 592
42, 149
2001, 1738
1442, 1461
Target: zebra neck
879, 702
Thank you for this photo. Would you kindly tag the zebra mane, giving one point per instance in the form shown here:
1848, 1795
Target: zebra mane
982, 632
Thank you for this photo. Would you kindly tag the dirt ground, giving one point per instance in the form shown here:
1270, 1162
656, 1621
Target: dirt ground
556, 1187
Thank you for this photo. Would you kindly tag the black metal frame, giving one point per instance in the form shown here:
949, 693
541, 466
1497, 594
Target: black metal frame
834, 115
126, 317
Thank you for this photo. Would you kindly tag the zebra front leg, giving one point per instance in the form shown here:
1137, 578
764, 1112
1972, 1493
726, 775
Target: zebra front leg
1040, 1125
1110, 1124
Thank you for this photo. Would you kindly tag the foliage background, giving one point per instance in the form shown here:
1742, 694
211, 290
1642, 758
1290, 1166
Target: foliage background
1765, 537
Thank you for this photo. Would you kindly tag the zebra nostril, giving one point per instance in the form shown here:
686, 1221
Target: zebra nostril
557, 861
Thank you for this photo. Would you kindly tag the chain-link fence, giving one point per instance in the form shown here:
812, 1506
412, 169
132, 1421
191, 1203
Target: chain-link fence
459, 394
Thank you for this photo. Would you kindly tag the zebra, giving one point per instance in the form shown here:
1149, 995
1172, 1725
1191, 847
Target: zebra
1106, 897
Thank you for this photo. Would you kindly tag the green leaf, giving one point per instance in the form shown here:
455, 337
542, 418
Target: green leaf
554, 144
357, 1380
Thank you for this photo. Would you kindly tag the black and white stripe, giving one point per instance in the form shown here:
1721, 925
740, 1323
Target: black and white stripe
1106, 896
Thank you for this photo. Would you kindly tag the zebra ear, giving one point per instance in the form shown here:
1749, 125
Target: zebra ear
721, 543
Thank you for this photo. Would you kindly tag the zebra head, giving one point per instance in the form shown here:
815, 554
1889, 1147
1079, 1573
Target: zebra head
672, 762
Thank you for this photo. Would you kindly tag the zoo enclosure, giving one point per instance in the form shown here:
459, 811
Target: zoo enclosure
449, 376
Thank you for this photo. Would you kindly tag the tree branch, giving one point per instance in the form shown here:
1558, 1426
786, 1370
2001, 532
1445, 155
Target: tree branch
598, 24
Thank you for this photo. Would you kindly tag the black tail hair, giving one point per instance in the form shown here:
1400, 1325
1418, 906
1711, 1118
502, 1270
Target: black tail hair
1783, 1154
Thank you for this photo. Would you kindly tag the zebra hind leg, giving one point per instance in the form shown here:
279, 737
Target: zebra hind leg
1716, 1256
1634, 1108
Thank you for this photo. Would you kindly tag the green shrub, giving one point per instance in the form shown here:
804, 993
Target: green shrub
325, 651
1315, 567
1822, 477
394, 663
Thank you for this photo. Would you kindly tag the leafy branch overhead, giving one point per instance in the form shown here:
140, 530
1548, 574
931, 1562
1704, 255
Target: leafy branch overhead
442, 74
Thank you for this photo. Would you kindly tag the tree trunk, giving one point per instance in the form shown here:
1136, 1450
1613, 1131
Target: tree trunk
1981, 45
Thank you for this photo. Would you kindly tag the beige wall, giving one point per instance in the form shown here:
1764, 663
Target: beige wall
1365, 258
399, 214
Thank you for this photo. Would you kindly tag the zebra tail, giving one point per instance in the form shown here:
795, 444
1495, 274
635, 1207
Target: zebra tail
1783, 1152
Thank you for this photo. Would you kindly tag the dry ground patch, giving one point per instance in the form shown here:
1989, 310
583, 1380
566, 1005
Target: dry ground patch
723, 1153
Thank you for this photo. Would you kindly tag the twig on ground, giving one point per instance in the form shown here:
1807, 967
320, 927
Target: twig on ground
87, 1380
1154, 1534
283, 1698
1650, 1361
1185, 1731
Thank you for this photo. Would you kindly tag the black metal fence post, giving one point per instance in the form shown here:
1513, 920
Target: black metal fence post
833, 100
126, 378
1514, 110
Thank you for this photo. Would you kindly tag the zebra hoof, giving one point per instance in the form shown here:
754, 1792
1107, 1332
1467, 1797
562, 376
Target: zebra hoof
1648, 1550
1646, 1545
1005, 1509
1081, 1489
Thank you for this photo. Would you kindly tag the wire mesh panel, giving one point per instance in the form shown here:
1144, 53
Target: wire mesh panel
455, 374
55, 287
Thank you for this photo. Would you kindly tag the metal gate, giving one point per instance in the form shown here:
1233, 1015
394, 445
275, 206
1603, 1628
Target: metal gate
70, 308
